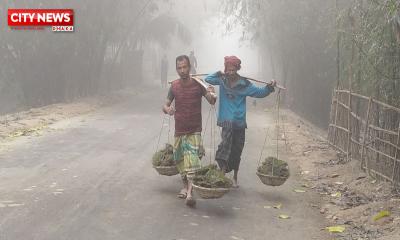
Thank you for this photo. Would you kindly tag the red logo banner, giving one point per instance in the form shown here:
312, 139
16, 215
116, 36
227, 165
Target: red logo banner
40, 17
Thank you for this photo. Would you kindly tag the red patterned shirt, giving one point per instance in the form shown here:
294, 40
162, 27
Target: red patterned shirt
187, 106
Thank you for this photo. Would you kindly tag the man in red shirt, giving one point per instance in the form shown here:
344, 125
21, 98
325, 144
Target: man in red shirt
187, 94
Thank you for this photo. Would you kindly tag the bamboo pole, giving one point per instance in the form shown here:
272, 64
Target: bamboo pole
338, 148
339, 127
355, 141
251, 79
331, 118
366, 132
342, 91
396, 154
393, 145
352, 23
349, 127
255, 80
381, 175
360, 96
393, 133
343, 105
387, 106
354, 115
380, 152
202, 83
336, 113
337, 45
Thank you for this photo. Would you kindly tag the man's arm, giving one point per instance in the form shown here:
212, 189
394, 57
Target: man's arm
259, 92
214, 79
168, 108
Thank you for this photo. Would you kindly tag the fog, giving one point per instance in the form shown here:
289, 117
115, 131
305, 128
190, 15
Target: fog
211, 41
89, 121
118, 45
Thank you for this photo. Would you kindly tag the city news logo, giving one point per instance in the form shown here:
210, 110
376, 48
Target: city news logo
60, 20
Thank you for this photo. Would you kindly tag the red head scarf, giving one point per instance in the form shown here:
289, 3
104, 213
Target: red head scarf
233, 60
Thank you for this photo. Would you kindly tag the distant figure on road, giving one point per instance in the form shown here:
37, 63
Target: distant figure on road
164, 71
187, 94
233, 90
193, 61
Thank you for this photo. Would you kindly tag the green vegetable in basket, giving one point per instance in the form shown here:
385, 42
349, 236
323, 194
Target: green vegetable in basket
280, 168
164, 157
211, 177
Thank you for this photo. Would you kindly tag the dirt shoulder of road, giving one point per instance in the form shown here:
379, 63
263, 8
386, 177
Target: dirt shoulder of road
350, 198
33, 121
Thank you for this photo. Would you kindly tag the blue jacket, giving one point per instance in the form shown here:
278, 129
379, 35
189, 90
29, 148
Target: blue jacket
232, 101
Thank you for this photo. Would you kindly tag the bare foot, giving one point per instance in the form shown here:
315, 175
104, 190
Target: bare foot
190, 201
182, 194
235, 179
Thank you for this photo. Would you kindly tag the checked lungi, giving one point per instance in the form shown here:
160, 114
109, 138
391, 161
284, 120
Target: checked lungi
230, 149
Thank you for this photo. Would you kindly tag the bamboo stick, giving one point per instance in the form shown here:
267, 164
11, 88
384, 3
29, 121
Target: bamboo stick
366, 98
387, 106
336, 113
251, 79
360, 96
357, 117
380, 152
339, 127
355, 141
204, 85
396, 155
349, 127
329, 126
381, 175
343, 105
383, 130
366, 132
255, 80
342, 91
352, 93
199, 74
387, 142
331, 116
338, 148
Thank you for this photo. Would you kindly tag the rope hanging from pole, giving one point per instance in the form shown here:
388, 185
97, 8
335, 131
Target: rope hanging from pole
277, 107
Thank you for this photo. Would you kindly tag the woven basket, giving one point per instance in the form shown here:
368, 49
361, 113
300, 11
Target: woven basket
210, 193
271, 180
167, 171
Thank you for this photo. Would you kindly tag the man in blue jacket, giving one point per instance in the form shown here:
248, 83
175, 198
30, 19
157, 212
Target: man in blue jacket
233, 90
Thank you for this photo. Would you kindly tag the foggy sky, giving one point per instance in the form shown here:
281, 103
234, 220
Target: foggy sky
210, 40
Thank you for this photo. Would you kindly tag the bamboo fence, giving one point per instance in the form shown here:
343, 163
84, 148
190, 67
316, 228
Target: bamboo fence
367, 130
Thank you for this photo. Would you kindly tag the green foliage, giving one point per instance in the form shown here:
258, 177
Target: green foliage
42, 67
211, 177
164, 157
370, 29
301, 41
280, 168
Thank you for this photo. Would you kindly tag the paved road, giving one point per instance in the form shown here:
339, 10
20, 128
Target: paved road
91, 178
